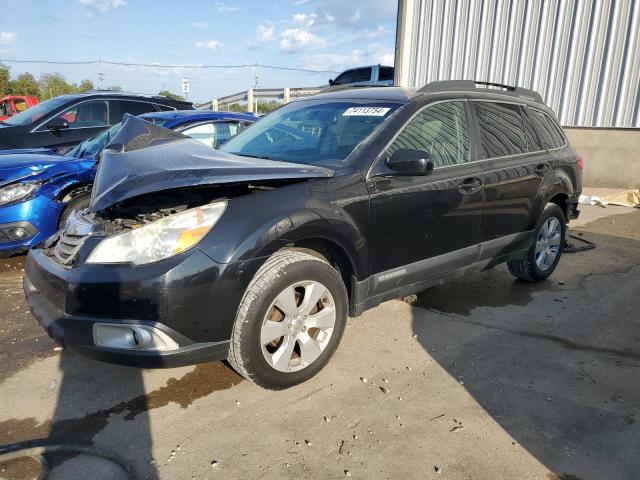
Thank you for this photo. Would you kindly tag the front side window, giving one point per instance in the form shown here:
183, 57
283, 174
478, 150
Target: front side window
204, 132
502, 130
94, 113
314, 132
36, 112
439, 129
92, 147
547, 129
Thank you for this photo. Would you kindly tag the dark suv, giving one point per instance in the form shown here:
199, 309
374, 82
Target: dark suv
323, 209
67, 120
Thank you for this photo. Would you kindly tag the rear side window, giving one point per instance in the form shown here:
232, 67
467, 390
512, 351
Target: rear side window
439, 129
547, 129
164, 108
135, 108
502, 130
386, 73
354, 76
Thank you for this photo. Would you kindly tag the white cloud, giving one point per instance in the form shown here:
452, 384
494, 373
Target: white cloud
300, 2
306, 19
373, 55
211, 44
200, 25
224, 8
295, 39
101, 6
265, 33
7, 37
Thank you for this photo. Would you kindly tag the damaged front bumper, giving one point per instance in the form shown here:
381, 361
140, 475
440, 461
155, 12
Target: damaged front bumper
172, 313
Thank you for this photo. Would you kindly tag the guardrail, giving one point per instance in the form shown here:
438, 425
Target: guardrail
252, 96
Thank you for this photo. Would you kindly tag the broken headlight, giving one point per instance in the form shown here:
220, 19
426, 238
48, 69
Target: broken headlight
17, 191
160, 239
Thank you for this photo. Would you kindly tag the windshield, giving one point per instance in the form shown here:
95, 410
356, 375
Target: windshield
36, 112
93, 146
311, 132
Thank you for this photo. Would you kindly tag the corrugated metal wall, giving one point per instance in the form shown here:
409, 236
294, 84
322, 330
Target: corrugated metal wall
583, 56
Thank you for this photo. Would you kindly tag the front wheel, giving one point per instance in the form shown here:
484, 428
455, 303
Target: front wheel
544, 255
290, 320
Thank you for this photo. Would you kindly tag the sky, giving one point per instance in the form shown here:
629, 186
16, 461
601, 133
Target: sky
328, 35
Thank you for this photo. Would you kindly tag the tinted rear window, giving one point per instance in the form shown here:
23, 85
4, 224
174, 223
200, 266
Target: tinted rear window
354, 76
135, 108
547, 129
502, 131
386, 73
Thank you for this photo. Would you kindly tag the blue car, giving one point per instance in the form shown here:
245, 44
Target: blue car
40, 189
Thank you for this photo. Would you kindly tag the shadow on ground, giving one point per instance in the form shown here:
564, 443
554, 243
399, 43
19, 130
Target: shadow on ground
558, 370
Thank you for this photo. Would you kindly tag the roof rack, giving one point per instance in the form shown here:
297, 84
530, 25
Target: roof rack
472, 85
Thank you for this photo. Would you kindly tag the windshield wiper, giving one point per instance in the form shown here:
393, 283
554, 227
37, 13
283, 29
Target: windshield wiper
262, 157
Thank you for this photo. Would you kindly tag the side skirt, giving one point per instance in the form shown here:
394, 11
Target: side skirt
417, 277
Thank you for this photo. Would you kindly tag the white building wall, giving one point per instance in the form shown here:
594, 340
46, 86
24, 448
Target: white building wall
583, 56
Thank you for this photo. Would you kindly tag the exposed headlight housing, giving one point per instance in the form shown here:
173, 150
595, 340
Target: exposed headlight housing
160, 239
17, 191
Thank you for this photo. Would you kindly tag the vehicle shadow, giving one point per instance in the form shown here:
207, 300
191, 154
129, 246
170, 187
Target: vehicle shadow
554, 364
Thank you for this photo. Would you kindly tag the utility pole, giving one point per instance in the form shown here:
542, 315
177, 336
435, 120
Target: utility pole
255, 86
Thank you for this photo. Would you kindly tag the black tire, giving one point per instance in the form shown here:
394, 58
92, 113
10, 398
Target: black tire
76, 203
279, 272
527, 269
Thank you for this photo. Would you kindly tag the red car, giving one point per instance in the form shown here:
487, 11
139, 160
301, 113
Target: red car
12, 104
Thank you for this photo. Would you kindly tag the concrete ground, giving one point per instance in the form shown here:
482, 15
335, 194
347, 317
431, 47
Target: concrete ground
483, 378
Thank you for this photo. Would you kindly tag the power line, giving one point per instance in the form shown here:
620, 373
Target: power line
159, 65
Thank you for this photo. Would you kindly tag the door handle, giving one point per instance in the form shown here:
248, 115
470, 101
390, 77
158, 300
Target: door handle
541, 169
470, 185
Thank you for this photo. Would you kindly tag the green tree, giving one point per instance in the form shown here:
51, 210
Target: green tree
236, 107
85, 86
5, 80
168, 94
26, 84
54, 84
268, 107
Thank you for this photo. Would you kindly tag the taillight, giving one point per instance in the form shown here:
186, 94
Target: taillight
580, 162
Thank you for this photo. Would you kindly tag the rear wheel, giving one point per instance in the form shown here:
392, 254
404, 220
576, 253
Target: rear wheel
544, 255
290, 320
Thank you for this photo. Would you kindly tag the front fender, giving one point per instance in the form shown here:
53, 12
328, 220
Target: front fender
257, 225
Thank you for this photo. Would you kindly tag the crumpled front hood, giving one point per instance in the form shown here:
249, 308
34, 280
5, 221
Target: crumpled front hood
144, 158
20, 166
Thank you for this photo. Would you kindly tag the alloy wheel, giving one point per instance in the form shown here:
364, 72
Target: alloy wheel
548, 243
298, 326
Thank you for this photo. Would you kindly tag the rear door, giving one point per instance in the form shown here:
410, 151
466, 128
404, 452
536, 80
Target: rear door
423, 226
515, 167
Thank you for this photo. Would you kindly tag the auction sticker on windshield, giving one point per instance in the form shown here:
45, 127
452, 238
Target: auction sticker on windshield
366, 111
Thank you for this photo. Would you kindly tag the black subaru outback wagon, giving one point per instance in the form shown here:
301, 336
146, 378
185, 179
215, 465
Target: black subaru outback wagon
323, 209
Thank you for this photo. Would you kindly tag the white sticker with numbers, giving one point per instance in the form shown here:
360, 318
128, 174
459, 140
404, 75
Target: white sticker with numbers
366, 111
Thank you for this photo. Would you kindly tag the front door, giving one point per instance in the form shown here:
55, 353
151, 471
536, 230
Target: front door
423, 226
83, 120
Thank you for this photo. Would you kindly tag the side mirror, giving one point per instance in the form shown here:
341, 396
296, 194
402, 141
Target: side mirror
57, 123
410, 162
331, 82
